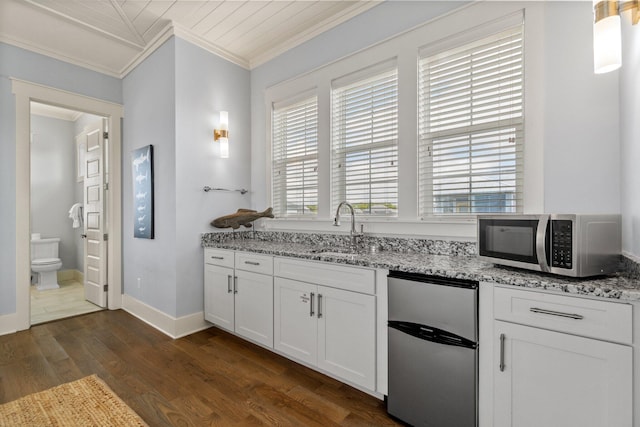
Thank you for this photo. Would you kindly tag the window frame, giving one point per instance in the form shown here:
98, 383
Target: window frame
465, 42
378, 83
301, 99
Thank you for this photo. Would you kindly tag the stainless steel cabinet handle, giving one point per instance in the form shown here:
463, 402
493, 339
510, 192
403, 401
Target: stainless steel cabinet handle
229, 290
319, 306
556, 313
252, 263
217, 257
501, 352
235, 284
311, 313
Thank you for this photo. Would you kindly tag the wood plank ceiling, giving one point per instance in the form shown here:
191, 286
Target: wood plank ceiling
109, 35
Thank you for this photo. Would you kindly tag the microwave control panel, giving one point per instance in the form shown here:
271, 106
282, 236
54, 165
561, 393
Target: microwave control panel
561, 244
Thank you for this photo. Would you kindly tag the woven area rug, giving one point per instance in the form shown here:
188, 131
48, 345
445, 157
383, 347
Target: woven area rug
86, 402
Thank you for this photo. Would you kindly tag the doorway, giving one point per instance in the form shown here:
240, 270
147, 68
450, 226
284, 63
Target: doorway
58, 180
25, 93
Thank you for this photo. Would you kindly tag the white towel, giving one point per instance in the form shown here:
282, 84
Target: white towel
75, 213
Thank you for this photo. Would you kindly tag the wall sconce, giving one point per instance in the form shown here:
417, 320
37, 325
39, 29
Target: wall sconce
607, 34
222, 134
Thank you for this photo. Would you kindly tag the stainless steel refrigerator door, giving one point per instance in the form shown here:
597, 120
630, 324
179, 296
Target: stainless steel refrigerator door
431, 384
452, 309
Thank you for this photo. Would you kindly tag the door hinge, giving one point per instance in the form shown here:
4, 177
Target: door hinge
106, 287
106, 186
105, 237
105, 135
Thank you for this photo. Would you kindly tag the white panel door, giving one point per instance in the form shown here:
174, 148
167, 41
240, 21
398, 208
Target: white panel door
347, 335
95, 230
554, 379
295, 324
254, 307
219, 296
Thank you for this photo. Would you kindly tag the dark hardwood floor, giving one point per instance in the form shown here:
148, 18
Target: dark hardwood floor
208, 378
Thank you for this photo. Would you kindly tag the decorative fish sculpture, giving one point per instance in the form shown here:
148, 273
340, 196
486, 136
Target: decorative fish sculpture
241, 217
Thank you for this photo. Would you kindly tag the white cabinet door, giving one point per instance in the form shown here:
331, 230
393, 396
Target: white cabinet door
555, 379
254, 307
346, 335
218, 296
295, 324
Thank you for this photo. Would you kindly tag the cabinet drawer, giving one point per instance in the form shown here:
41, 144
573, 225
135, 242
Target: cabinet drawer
603, 320
253, 262
221, 257
337, 276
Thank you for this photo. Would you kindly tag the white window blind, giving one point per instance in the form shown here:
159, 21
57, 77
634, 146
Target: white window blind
365, 142
471, 127
295, 158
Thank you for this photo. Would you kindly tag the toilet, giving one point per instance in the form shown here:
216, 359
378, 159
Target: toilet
45, 262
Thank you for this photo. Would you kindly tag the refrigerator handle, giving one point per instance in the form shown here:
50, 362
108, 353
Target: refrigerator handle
501, 352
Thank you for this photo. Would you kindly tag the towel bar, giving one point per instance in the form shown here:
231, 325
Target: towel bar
207, 189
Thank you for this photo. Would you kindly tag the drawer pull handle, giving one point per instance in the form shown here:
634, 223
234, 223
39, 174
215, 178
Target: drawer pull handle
229, 290
501, 352
311, 313
235, 284
556, 313
252, 263
319, 306
216, 257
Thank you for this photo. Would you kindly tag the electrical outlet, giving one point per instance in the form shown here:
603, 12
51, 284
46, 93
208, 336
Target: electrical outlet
139, 283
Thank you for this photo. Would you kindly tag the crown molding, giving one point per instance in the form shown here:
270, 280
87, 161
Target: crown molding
23, 44
187, 35
173, 29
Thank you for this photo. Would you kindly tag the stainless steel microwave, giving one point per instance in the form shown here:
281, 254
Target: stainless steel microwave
569, 245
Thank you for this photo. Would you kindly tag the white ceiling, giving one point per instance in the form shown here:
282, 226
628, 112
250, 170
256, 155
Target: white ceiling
112, 36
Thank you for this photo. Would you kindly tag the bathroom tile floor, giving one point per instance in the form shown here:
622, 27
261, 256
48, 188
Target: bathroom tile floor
54, 304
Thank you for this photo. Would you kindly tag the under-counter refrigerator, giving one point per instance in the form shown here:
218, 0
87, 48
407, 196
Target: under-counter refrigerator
433, 350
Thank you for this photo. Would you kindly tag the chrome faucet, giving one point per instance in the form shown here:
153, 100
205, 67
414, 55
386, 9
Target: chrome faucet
336, 222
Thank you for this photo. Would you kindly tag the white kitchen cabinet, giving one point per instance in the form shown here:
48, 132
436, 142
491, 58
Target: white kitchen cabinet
333, 329
239, 299
218, 296
546, 377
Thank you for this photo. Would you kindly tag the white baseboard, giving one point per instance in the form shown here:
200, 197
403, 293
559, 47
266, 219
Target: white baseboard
8, 324
76, 275
169, 325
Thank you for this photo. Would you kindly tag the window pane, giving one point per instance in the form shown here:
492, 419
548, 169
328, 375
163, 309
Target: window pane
365, 144
295, 159
471, 127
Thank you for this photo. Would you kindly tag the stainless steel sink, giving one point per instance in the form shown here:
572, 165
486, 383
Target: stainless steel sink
336, 252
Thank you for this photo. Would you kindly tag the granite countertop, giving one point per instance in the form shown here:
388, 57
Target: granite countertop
617, 286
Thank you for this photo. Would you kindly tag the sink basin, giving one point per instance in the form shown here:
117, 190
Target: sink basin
335, 252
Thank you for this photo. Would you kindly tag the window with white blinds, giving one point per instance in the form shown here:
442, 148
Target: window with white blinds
295, 158
471, 127
365, 141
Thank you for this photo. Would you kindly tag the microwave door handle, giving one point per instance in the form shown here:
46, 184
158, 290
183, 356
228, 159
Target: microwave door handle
541, 249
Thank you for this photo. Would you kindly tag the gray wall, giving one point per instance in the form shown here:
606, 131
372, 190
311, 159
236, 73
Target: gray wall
373, 26
53, 183
630, 137
149, 102
582, 127
173, 100
36, 68
580, 109
205, 85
